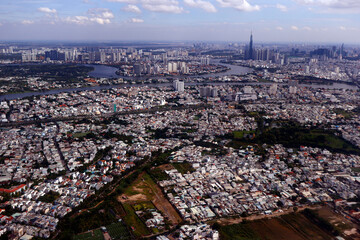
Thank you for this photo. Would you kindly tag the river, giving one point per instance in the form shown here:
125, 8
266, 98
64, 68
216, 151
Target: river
103, 71
109, 72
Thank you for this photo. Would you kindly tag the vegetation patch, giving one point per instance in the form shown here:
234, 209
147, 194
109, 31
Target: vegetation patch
49, 197
184, 167
118, 231
134, 221
292, 135
91, 235
241, 231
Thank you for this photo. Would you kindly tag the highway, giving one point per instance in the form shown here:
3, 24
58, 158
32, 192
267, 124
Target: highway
106, 115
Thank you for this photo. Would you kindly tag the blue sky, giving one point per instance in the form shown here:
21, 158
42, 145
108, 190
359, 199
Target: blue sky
332, 21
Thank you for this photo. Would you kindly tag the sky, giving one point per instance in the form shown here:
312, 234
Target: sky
308, 21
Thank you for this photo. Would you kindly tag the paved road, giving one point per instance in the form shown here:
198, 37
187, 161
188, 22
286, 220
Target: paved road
106, 115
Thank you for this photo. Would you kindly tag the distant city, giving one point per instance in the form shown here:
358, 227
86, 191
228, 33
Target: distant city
179, 141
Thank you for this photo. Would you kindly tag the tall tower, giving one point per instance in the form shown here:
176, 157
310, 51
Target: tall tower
251, 50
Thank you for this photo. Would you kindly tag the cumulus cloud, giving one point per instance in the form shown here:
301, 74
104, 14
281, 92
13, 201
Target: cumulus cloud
131, 8
95, 15
101, 13
26, 22
340, 5
47, 10
166, 6
205, 5
136, 20
124, 1
282, 8
295, 28
241, 5
279, 28
307, 28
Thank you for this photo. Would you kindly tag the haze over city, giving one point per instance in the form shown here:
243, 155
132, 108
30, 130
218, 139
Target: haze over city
179, 119
310, 21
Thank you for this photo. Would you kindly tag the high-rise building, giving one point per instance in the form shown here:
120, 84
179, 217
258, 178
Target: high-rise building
137, 69
178, 86
251, 50
208, 92
249, 53
273, 89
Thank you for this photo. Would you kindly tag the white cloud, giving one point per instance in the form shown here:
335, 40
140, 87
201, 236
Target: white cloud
124, 1
101, 13
26, 22
279, 28
167, 6
307, 28
342, 28
282, 8
136, 20
131, 8
338, 5
77, 19
207, 6
241, 5
163, 8
95, 15
47, 10
295, 28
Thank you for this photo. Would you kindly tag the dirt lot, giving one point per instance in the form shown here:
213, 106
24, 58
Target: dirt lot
294, 227
145, 189
290, 225
166, 167
340, 222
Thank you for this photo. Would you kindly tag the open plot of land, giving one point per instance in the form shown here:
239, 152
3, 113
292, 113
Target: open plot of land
292, 226
143, 192
91, 235
342, 224
134, 221
118, 231
183, 168
238, 232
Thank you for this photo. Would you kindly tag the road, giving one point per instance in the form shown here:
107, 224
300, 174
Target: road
105, 115
227, 221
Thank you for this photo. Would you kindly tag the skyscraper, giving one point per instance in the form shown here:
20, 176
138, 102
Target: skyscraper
178, 86
251, 50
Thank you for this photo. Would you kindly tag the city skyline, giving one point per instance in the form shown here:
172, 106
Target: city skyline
309, 21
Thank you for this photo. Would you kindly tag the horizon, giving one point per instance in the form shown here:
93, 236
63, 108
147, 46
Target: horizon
296, 21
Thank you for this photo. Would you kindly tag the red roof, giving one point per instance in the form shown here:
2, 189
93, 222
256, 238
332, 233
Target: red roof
14, 189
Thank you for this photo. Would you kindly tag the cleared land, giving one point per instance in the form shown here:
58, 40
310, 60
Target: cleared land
144, 191
293, 226
340, 223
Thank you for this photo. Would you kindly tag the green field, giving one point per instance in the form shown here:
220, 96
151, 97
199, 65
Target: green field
143, 206
79, 135
118, 231
158, 174
183, 167
240, 231
91, 235
134, 221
